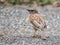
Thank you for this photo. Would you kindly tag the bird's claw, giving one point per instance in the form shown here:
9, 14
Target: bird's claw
36, 35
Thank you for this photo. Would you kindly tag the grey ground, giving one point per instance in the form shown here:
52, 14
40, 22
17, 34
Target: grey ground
15, 28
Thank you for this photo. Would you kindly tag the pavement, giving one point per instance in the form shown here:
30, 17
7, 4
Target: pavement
15, 28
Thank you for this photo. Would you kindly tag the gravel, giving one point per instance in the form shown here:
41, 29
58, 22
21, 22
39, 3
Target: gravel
15, 28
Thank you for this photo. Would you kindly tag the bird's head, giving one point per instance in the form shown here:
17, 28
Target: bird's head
32, 11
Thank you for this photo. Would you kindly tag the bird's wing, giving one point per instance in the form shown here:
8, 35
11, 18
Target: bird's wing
36, 24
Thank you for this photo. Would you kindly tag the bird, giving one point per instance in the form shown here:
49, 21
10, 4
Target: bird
37, 21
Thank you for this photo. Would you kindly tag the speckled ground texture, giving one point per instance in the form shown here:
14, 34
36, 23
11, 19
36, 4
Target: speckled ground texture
15, 28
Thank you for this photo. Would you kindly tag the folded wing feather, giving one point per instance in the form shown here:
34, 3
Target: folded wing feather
36, 23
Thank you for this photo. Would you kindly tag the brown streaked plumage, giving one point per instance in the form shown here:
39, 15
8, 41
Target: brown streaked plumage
38, 23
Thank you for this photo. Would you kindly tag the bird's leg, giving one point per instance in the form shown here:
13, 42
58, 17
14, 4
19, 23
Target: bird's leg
38, 33
34, 34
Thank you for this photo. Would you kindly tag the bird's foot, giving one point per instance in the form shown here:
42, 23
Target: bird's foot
39, 36
36, 35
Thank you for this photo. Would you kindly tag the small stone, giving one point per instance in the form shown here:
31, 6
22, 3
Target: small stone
48, 27
58, 17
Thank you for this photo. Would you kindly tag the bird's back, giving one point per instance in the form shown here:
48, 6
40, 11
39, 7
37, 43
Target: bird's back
37, 21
